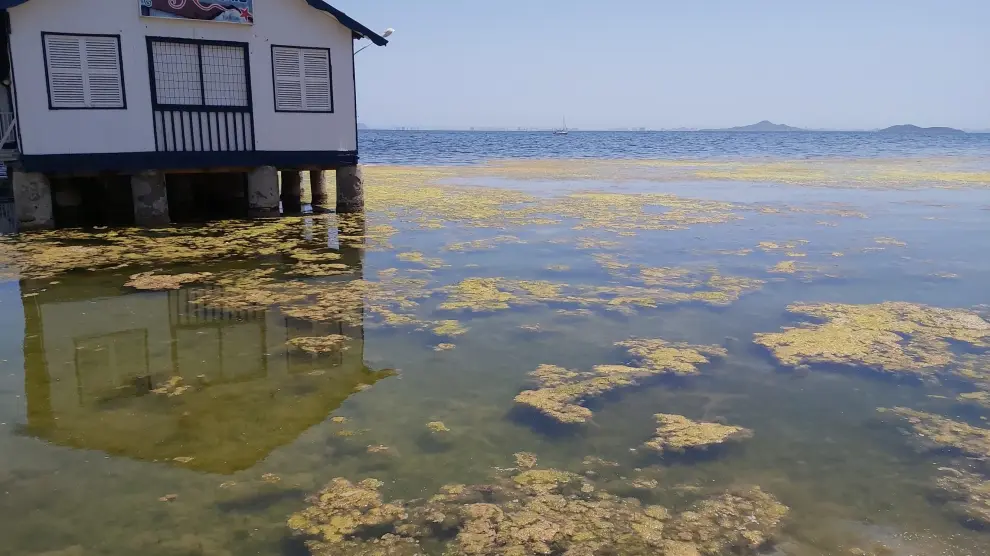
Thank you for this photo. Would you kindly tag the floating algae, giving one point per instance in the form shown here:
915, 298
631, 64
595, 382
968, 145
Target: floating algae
610, 262
419, 258
477, 294
483, 244
743, 518
340, 510
892, 337
677, 433
48, 253
889, 241
561, 391
670, 357
974, 369
785, 246
153, 281
338, 301
944, 433
981, 398
970, 495
536, 511
444, 347
644, 484
449, 328
316, 257
320, 344
437, 427
525, 460
172, 387
331, 269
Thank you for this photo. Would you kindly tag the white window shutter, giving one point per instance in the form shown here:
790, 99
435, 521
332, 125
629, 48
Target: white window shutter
84, 71
104, 86
302, 79
288, 78
66, 76
316, 71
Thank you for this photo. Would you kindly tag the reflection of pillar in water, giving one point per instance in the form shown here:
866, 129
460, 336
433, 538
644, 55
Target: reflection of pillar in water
37, 381
352, 230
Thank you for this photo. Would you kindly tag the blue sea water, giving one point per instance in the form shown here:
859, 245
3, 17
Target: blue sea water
463, 147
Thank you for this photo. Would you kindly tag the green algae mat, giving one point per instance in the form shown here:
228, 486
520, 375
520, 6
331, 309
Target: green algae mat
522, 357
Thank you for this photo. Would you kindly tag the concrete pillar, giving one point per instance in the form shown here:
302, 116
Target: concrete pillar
33, 201
350, 190
291, 192
318, 186
150, 198
263, 192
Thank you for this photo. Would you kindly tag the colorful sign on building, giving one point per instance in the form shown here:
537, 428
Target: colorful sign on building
230, 11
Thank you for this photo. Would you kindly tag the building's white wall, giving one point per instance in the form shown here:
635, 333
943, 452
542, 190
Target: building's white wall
285, 22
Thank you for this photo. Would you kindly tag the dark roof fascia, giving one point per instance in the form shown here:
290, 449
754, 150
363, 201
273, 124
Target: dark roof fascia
344, 19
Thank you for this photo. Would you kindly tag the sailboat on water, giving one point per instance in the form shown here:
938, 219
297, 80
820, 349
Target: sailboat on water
562, 130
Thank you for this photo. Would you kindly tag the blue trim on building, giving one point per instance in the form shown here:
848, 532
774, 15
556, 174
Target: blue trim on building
343, 18
130, 163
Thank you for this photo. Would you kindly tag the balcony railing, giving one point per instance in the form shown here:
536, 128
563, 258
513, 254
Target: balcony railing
8, 129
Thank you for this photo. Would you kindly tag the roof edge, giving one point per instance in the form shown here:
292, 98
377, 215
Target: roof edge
343, 18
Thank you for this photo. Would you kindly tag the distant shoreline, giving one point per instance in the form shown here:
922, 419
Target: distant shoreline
796, 131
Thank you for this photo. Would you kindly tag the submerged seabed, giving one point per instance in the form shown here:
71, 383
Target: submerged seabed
185, 390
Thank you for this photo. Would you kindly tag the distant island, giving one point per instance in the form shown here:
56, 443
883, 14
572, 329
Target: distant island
908, 128
761, 126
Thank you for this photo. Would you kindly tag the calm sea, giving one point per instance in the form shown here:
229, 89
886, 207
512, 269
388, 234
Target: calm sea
270, 357
462, 147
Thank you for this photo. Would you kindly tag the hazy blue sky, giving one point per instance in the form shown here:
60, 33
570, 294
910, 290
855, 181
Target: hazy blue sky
658, 63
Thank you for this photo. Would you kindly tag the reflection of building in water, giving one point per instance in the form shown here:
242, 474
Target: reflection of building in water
92, 363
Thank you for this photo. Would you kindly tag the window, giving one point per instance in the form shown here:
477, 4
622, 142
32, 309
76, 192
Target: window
188, 73
302, 79
83, 71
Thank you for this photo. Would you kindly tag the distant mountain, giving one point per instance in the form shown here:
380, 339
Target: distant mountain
362, 126
908, 128
761, 126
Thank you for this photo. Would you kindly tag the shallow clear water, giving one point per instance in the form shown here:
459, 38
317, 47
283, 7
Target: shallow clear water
92, 461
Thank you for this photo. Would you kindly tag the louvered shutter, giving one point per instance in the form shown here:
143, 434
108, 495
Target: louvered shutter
302, 79
84, 72
104, 86
288, 79
66, 85
316, 71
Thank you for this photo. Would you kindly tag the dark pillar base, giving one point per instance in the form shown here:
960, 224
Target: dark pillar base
350, 190
291, 192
